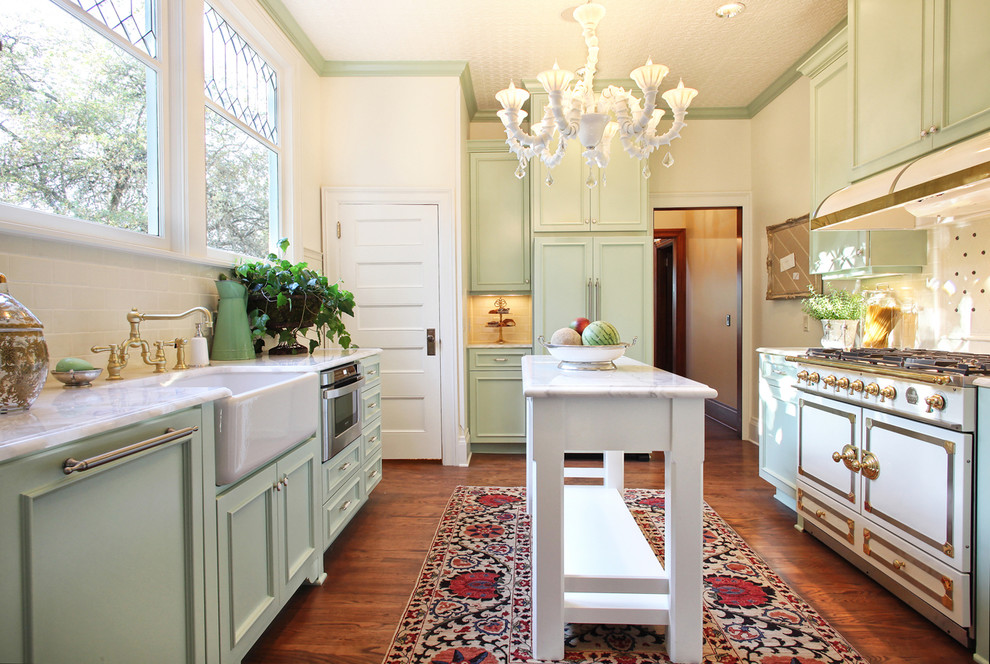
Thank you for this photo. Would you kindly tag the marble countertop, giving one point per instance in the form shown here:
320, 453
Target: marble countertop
62, 415
773, 350
494, 345
542, 378
982, 382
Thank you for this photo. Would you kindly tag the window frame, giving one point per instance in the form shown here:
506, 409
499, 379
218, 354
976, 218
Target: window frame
181, 100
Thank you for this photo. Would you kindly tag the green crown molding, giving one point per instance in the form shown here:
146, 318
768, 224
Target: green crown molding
292, 30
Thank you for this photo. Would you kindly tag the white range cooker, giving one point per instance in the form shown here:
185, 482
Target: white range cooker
885, 469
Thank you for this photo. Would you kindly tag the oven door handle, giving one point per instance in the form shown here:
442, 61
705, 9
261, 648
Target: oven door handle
334, 392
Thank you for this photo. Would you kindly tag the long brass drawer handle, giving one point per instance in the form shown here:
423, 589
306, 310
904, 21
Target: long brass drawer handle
345, 466
346, 504
70, 465
500, 359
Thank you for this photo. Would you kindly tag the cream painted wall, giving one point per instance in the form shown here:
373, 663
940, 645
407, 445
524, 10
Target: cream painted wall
83, 293
711, 156
367, 144
781, 150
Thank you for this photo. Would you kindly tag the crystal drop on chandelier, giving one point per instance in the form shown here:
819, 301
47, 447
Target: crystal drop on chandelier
668, 161
549, 179
590, 182
520, 172
646, 170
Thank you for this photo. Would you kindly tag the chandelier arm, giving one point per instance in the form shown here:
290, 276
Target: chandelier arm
672, 133
649, 105
552, 160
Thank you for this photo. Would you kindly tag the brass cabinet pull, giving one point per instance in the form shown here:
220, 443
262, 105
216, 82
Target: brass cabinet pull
373, 473
500, 359
899, 564
373, 439
346, 504
848, 456
70, 465
870, 466
820, 514
345, 466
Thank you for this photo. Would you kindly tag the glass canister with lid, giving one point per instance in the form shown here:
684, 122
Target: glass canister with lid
882, 311
23, 354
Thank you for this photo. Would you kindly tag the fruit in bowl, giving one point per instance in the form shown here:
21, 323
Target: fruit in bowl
566, 336
579, 323
600, 333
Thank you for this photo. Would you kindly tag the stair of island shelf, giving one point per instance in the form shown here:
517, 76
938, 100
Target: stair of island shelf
577, 471
606, 553
616, 609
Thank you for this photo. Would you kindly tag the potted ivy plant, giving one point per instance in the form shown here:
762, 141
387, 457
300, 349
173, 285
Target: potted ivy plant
839, 311
286, 299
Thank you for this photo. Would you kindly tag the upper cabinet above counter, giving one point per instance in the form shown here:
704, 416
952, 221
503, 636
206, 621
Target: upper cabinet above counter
919, 78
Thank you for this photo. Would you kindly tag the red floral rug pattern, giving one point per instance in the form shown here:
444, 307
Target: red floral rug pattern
471, 604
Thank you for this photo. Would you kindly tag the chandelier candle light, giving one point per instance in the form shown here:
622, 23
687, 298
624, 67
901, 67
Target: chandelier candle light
575, 111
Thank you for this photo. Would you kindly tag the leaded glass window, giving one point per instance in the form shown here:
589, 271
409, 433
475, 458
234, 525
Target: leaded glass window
79, 91
242, 139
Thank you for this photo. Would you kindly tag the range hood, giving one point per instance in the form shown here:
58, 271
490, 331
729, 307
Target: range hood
945, 186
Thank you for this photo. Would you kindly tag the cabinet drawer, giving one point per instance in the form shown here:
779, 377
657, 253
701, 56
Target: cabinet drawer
821, 511
496, 358
338, 469
372, 473
371, 369
372, 439
371, 403
338, 511
939, 585
776, 370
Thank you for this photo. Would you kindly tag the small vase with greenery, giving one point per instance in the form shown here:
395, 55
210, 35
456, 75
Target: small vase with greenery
286, 299
839, 311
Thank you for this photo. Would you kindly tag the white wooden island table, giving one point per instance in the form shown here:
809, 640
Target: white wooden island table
591, 563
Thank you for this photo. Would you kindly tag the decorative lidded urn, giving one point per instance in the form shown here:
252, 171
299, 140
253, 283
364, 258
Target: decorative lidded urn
23, 354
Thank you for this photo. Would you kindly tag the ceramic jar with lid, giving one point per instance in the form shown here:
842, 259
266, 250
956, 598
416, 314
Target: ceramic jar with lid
882, 312
23, 354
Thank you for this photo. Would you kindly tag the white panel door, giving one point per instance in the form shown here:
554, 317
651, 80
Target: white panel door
389, 259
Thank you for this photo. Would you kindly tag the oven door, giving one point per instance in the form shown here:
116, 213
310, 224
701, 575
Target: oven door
917, 484
341, 417
828, 447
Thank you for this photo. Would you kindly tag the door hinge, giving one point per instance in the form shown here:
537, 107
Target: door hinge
338, 230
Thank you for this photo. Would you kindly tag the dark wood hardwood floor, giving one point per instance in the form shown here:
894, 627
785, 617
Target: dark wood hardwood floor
373, 565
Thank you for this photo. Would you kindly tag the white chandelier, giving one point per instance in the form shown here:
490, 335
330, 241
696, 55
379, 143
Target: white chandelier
575, 111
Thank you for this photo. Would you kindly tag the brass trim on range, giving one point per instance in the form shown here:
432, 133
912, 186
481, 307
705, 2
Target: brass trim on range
939, 185
822, 512
900, 567
950, 449
893, 372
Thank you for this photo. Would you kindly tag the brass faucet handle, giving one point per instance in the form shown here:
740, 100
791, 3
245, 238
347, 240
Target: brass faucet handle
114, 363
160, 360
180, 343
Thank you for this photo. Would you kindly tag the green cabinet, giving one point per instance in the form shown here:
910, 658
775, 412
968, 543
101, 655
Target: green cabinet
779, 426
831, 156
600, 278
496, 406
919, 80
268, 543
371, 430
857, 254
500, 242
112, 563
618, 202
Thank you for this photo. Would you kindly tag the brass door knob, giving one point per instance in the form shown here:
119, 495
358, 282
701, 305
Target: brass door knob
830, 380
857, 386
848, 456
888, 393
843, 383
813, 378
935, 402
873, 389
802, 375
870, 466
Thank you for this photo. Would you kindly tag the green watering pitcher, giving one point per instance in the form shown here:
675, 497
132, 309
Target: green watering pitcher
232, 333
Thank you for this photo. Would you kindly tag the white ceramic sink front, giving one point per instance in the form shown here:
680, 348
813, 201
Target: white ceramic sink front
266, 414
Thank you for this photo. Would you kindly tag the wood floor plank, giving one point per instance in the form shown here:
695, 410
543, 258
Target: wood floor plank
373, 566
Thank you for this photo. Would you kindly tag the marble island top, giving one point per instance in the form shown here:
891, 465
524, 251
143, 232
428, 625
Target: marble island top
62, 415
542, 378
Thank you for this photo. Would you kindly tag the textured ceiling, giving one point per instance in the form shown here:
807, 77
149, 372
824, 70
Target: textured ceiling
730, 61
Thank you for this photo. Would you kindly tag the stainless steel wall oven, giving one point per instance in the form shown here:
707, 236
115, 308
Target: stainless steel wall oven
341, 413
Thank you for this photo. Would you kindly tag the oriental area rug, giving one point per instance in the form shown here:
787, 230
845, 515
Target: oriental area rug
471, 604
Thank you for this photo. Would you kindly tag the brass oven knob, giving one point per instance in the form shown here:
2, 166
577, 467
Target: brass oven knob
936, 402
843, 383
888, 393
813, 377
830, 380
873, 389
857, 386
802, 375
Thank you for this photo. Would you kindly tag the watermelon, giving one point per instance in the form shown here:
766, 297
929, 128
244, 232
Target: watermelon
600, 333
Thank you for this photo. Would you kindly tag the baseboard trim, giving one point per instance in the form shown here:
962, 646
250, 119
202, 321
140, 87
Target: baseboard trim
723, 414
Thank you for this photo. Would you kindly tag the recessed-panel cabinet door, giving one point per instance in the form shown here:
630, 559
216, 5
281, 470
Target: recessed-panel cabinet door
299, 512
623, 285
825, 428
500, 242
619, 203
562, 279
963, 77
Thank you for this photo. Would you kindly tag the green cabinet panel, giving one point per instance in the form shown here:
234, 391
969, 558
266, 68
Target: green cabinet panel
269, 542
616, 203
854, 254
108, 564
831, 157
500, 242
919, 78
496, 406
779, 426
601, 278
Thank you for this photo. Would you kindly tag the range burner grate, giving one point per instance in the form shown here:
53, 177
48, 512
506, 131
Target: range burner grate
918, 359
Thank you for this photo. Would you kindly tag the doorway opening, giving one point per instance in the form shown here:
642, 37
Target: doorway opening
698, 302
